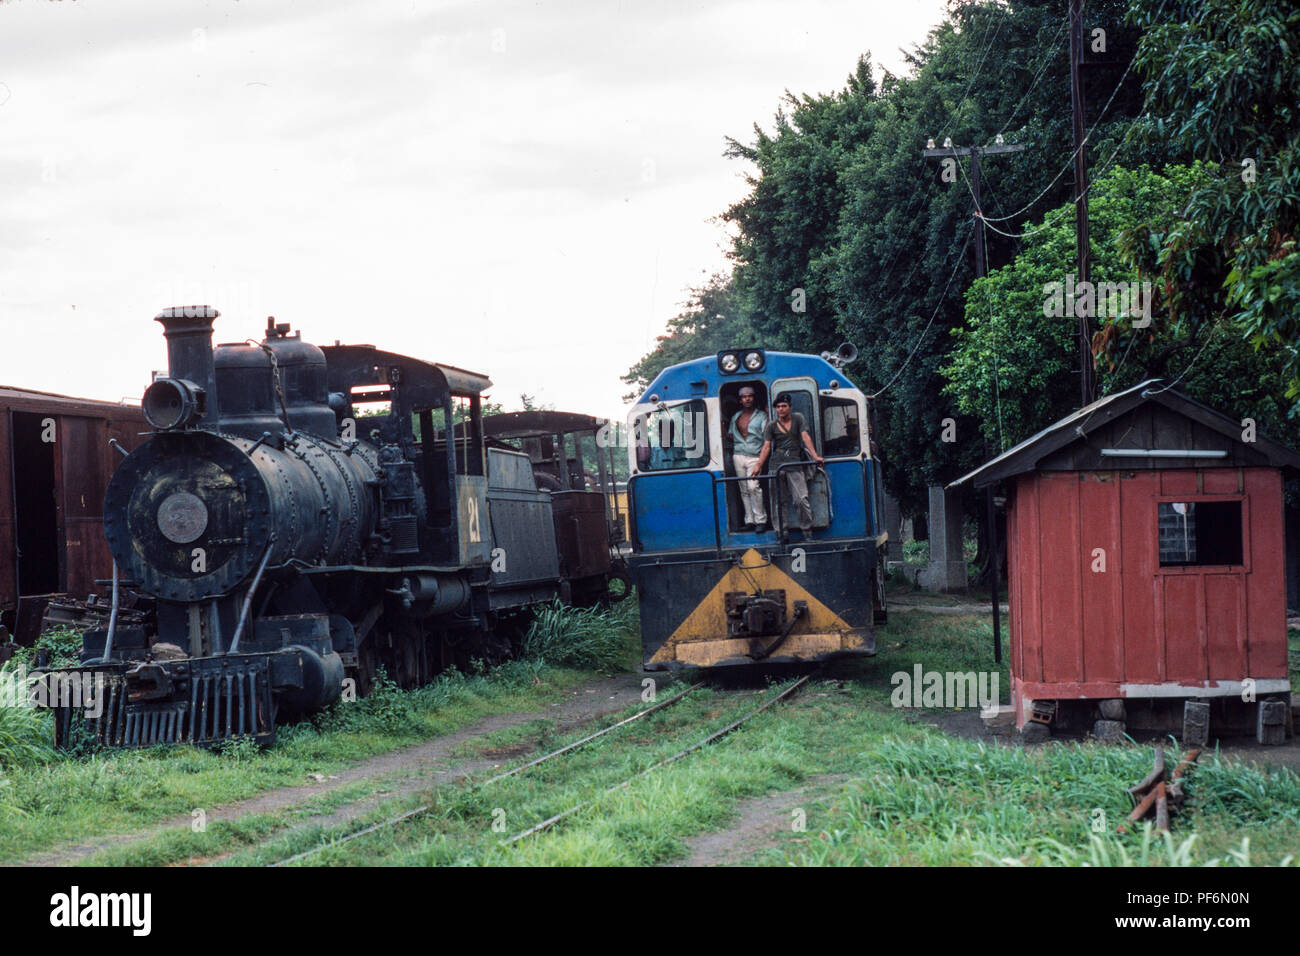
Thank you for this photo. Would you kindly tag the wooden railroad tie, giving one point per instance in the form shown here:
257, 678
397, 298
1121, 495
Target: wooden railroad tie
1156, 792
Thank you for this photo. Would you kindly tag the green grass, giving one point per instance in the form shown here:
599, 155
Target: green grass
911, 794
460, 827
117, 791
218, 838
510, 741
588, 639
906, 793
24, 731
946, 801
938, 642
48, 799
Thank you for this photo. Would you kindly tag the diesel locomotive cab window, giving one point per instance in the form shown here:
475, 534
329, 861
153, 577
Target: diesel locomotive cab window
1197, 533
840, 429
675, 437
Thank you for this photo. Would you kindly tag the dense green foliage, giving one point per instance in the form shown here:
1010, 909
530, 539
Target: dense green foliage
1192, 150
845, 207
1223, 76
1011, 365
583, 638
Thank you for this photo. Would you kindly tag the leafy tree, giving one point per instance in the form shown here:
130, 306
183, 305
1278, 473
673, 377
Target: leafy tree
1014, 368
1222, 78
844, 207
529, 403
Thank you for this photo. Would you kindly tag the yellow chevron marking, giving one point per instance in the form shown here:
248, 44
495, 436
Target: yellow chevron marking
708, 622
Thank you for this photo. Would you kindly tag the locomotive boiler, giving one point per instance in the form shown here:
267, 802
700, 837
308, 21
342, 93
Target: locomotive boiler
302, 517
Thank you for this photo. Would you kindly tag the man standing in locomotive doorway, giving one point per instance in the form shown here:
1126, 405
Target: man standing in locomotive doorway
784, 440
747, 428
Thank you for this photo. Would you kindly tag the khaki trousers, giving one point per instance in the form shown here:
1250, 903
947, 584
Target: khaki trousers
751, 492
796, 490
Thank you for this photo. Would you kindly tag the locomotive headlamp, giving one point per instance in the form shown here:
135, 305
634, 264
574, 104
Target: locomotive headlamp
172, 403
736, 360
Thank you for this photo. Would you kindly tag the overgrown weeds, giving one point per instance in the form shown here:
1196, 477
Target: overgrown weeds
584, 638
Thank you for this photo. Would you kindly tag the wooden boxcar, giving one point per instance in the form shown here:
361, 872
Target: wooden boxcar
1146, 563
55, 462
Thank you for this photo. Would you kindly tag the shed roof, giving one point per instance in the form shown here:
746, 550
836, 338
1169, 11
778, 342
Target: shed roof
1081, 426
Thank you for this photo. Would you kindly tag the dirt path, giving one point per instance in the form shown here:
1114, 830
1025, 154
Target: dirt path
399, 772
901, 606
761, 819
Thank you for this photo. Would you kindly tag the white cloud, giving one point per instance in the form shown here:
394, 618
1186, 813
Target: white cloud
523, 189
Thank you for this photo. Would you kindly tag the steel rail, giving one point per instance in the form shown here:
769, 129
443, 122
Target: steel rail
600, 733
716, 735
391, 821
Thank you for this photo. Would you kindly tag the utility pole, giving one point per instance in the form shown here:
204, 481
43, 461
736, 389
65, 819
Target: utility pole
1087, 373
948, 151
974, 152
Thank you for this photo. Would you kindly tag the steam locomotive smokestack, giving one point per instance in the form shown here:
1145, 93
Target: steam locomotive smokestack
188, 330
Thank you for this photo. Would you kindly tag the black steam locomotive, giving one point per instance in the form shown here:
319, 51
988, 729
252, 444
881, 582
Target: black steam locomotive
292, 546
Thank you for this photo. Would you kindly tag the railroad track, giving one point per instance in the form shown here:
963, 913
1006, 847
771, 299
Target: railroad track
698, 745
567, 749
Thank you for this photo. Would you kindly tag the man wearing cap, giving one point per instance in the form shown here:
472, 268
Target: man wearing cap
747, 427
783, 441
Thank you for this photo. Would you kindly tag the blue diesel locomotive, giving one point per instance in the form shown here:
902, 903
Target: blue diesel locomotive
718, 583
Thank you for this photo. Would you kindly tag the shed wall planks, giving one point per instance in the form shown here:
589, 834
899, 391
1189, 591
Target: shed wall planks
1137, 622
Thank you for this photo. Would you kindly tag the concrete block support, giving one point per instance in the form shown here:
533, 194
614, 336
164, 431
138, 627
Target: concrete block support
947, 568
894, 526
1196, 723
1270, 727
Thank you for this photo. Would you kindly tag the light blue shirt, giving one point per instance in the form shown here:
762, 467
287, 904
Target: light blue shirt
752, 443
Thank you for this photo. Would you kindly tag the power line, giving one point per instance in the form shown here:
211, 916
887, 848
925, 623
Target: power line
1037, 76
979, 66
1204, 345
939, 305
1115, 152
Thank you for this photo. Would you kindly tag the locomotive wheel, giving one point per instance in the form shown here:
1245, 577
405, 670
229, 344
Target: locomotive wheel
367, 666
408, 652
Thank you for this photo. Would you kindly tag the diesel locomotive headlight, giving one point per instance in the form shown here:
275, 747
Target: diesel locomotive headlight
729, 362
753, 361
171, 403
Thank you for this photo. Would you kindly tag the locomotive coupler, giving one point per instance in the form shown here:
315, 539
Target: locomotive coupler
754, 615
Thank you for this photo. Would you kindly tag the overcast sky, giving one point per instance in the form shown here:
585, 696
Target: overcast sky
520, 188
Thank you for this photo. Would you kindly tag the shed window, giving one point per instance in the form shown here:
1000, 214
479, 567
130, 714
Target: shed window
1199, 533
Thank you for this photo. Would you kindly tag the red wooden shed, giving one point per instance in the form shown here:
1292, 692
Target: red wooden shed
1146, 567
